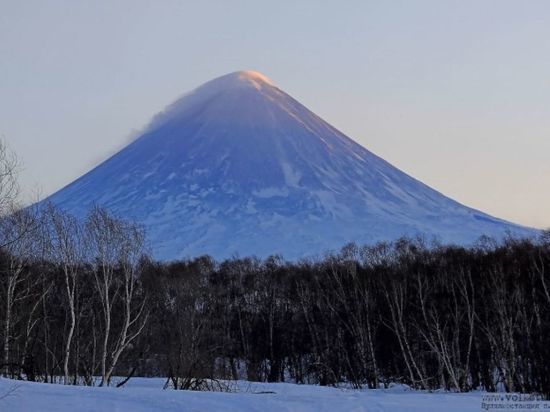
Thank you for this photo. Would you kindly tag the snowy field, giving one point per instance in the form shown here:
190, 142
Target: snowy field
146, 394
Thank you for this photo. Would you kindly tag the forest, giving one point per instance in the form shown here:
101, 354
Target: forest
82, 299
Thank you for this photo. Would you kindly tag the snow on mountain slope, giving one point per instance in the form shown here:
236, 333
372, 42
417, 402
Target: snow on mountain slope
239, 166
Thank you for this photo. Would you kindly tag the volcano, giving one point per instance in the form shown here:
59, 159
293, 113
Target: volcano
237, 166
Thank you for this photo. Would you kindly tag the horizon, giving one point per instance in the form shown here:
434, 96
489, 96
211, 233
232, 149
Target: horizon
419, 91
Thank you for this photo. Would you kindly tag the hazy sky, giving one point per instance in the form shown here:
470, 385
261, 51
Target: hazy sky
455, 93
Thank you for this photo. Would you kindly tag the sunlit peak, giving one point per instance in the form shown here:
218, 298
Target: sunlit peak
254, 76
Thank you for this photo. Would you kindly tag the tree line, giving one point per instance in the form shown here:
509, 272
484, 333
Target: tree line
81, 298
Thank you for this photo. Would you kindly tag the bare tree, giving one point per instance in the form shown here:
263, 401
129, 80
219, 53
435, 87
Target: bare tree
395, 290
117, 247
17, 248
350, 300
132, 251
67, 250
9, 187
103, 240
444, 320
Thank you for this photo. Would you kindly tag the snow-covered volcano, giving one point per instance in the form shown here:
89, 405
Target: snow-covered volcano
239, 166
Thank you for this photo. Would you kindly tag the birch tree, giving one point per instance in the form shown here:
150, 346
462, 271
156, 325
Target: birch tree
17, 250
117, 247
67, 250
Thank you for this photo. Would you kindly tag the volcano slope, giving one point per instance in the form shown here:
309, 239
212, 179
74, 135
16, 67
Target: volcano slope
237, 166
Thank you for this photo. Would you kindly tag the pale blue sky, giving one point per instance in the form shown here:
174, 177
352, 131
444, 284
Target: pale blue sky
455, 93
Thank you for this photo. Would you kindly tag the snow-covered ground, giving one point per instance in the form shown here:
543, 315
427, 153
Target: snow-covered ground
146, 394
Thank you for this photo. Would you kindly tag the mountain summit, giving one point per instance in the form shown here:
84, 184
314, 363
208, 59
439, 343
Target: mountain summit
239, 166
